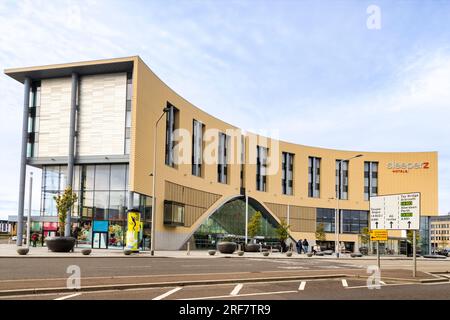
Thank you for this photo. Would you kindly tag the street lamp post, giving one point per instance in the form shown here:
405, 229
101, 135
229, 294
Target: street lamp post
153, 174
336, 215
29, 210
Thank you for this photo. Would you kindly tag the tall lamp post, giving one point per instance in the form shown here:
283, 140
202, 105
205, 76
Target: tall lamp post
153, 174
336, 214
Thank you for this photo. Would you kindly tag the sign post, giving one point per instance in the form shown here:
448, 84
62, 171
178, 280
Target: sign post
378, 235
414, 254
396, 212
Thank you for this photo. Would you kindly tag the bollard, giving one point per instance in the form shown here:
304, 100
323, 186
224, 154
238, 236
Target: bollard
188, 248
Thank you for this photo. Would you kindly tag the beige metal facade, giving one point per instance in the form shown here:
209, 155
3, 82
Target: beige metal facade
398, 172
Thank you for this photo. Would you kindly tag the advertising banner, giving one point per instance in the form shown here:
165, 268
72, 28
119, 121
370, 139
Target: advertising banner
134, 227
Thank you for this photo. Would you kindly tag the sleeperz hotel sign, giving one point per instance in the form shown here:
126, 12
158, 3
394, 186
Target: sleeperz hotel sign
404, 167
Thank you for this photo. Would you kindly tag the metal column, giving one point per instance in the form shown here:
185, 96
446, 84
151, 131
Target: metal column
23, 160
71, 160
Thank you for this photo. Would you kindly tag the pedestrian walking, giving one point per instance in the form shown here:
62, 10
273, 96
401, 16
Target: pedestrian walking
305, 245
299, 246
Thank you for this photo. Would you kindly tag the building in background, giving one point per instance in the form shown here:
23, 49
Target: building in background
97, 119
440, 232
6, 227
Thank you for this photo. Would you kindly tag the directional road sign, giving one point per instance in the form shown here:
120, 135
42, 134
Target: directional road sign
395, 212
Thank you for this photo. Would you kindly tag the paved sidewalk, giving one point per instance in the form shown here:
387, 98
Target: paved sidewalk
9, 251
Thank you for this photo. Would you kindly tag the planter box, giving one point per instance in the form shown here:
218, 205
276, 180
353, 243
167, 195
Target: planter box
60, 244
252, 247
226, 247
23, 251
86, 252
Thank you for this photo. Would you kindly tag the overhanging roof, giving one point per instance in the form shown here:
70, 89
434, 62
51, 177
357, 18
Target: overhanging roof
66, 69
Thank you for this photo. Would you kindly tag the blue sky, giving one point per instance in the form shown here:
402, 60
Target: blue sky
332, 81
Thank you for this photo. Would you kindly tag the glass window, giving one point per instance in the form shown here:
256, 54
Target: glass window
173, 213
63, 178
87, 204
261, 168
117, 205
287, 160
118, 177
171, 120
342, 179
102, 177
222, 166
101, 201
52, 178
88, 177
197, 147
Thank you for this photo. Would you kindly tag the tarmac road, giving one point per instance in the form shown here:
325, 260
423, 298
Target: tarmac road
331, 289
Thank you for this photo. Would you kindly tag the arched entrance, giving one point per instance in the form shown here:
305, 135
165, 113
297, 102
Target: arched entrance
228, 222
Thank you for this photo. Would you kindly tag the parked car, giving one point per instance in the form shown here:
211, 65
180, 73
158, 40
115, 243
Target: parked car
443, 252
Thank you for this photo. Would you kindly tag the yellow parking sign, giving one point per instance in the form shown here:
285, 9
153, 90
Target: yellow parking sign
378, 235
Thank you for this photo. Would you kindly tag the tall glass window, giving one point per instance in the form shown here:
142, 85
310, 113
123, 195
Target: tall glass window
370, 179
261, 168
33, 119
171, 122
197, 147
353, 221
287, 179
128, 113
222, 166
326, 217
313, 177
342, 179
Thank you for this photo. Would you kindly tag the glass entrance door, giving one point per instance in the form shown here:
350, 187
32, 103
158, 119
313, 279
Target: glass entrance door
100, 240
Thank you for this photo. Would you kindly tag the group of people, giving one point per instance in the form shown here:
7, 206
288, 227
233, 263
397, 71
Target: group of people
302, 246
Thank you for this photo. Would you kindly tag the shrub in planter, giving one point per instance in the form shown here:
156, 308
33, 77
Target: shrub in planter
212, 252
240, 253
289, 253
309, 254
86, 252
23, 251
127, 252
266, 253
64, 202
227, 247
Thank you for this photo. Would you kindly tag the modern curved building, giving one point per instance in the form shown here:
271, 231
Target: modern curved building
92, 125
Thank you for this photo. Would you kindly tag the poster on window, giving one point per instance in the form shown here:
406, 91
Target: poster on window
134, 226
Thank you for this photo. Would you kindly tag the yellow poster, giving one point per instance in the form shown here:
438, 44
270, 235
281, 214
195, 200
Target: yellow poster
134, 226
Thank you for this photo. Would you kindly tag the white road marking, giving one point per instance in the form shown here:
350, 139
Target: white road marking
344, 283
69, 296
236, 289
302, 286
241, 295
165, 295
387, 285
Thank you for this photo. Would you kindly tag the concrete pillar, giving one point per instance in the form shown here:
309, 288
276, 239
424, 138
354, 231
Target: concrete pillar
23, 160
71, 158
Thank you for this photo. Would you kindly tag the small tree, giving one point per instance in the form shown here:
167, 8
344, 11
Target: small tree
365, 236
283, 230
254, 225
64, 203
320, 232
409, 236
